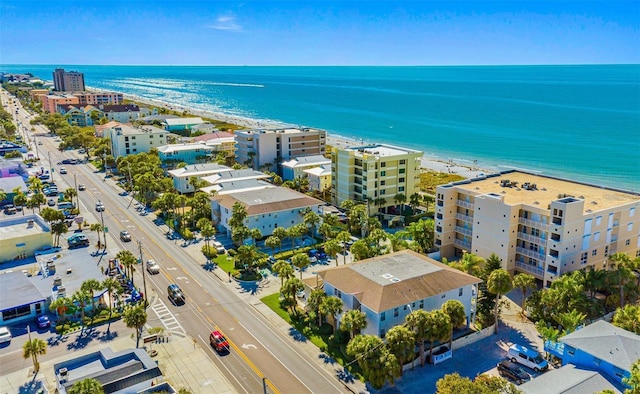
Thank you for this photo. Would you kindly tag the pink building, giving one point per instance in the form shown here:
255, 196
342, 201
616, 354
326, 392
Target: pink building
51, 101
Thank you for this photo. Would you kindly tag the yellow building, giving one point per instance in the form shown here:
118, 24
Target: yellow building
537, 224
21, 236
375, 173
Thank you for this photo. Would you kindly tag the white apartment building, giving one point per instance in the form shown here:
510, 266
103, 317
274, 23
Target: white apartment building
389, 287
258, 148
182, 176
537, 224
267, 208
375, 172
294, 168
319, 178
129, 140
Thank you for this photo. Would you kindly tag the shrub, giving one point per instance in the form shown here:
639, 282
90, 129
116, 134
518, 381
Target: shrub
209, 252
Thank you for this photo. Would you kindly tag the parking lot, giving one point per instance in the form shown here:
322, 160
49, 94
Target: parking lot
472, 360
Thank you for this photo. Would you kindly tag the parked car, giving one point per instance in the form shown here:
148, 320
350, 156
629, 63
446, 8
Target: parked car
77, 241
219, 247
175, 294
5, 335
81, 151
51, 202
527, 357
51, 192
9, 209
43, 321
153, 267
218, 341
125, 236
63, 170
82, 187
513, 371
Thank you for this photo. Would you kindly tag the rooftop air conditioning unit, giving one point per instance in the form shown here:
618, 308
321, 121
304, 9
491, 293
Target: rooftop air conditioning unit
63, 372
57, 281
62, 291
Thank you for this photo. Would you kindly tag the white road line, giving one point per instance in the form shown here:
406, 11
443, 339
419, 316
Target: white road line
229, 373
168, 320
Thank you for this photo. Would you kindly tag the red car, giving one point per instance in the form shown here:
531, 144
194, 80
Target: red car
218, 341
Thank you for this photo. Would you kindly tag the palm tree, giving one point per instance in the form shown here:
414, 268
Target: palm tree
331, 306
112, 286
499, 283
33, 348
81, 298
418, 322
61, 306
633, 380
69, 194
255, 234
311, 219
569, 321
86, 386
207, 231
315, 300
628, 318
353, 321
128, 260
272, 242
439, 328
332, 248
281, 233
289, 290
401, 341
300, 260
326, 230
400, 198
455, 310
343, 237
89, 286
283, 269
622, 272
469, 263
414, 201
136, 317
524, 282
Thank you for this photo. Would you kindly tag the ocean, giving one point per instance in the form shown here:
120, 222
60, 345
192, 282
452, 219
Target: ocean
578, 122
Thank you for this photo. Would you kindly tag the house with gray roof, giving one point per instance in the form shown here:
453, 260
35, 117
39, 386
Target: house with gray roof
569, 379
182, 175
294, 168
601, 347
389, 287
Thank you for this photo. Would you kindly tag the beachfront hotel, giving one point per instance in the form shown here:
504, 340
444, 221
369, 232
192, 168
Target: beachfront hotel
67, 81
258, 148
540, 225
375, 173
130, 140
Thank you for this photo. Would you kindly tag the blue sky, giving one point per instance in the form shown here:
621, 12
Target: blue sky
319, 33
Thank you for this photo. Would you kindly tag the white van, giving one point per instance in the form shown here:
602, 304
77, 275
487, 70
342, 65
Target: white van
527, 357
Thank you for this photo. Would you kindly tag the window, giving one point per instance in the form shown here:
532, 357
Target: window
383, 316
606, 251
627, 242
383, 173
395, 312
383, 191
401, 188
383, 164
401, 180
421, 304
402, 161
594, 252
382, 183
583, 258
460, 291
402, 171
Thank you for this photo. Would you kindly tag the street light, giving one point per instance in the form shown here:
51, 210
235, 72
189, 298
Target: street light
104, 233
75, 184
50, 166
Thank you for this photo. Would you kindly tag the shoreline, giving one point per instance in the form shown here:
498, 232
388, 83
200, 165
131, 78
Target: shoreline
462, 167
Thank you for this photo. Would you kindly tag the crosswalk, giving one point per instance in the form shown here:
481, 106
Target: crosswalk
167, 318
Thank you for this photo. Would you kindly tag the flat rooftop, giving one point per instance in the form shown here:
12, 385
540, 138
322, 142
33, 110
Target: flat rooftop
286, 130
18, 226
183, 147
199, 169
382, 150
17, 290
127, 129
394, 267
547, 189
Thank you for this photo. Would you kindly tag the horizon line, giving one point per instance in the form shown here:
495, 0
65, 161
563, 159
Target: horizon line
325, 65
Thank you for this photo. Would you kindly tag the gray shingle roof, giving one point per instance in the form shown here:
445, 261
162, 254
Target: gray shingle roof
568, 380
607, 342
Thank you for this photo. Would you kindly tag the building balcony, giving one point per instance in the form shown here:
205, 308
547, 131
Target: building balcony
465, 231
462, 244
532, 223
532, 269
465, 204
532, 238
531, 253
464, 218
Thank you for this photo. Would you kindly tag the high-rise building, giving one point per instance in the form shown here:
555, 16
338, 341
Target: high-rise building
375, 174
68, 81
536, 224
258, 148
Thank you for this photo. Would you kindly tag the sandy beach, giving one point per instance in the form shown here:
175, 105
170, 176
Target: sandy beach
462, 167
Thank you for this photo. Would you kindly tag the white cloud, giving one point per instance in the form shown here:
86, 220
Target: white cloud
226, 22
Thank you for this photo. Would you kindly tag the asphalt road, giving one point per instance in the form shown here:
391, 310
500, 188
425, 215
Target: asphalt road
257, 348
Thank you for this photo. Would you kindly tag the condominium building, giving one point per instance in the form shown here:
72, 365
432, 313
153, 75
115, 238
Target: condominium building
258, 148
182, 176
50, 102
171, 155
127, 140
67, 81
375, 173
536, 224
294, 168
99, 98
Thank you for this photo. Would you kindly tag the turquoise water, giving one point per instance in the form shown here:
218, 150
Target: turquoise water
581, 122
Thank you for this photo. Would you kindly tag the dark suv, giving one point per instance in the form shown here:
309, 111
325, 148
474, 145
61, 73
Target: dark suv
175, 294
513, 371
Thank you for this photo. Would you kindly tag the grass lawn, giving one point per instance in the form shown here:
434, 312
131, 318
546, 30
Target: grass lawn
322, 337
225, 264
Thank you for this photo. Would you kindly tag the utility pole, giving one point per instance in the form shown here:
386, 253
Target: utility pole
144, 277
75, 184
50, 166
104, 233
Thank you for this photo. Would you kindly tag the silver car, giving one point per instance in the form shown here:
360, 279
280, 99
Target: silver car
153, 267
